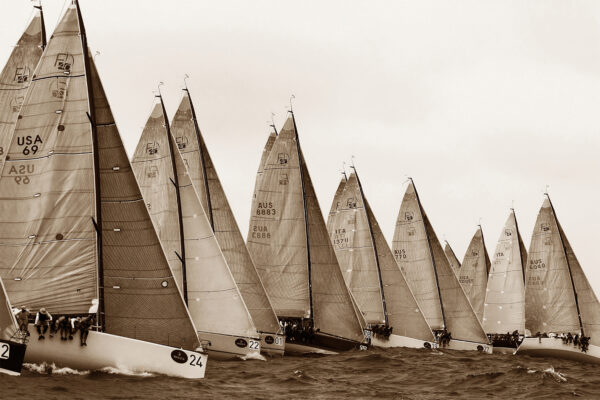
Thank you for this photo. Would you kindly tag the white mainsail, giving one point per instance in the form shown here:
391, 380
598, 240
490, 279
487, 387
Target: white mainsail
204, 176
396, 306
75, 228
16, 76
473, 272
558, 296
504, 309
429, 275
295, 258
452, 259
8, 323
212, 295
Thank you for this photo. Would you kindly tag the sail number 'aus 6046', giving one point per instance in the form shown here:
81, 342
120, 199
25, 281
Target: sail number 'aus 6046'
4, 351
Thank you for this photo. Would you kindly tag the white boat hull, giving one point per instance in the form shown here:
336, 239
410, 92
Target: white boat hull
401, 341
465, 345
554, 347
272, 345
228, 347
104, 350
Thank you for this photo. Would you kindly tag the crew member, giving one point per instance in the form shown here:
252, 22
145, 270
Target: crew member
42, 321
84, 328
23, 320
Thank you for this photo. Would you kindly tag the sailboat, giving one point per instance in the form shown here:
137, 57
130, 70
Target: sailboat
295, 258
473, 272
223, 323
435, 286
504, 310
12, 341
75, 236
17, 74
559, 301
204, 176
371, 272
452, 259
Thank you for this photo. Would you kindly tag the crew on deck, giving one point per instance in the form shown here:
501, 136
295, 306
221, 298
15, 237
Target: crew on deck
42, 321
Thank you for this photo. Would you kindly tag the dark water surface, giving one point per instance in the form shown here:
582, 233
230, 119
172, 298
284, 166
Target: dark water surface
382, 374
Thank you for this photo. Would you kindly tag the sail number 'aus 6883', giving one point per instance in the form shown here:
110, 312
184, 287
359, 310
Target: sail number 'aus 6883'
265, 208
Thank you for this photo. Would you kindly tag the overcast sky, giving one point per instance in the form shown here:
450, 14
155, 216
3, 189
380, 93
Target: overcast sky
483, 103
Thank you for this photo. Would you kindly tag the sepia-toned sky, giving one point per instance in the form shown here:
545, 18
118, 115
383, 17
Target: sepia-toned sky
482, 102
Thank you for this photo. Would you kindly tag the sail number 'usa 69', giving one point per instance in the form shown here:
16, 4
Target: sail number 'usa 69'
4, 351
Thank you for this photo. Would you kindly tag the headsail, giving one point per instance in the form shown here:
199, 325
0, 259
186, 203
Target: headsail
435, 286
16, 77
8, 324
295, 259
204, 176
558, 297
474, 271
75, 227
336, 205
213, 298
452, 259
504, 309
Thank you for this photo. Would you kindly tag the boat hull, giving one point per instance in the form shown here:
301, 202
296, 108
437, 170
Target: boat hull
272, 345
228, 347
554, 347
465, 345
104, 350
320, 344
12, 355
402, 341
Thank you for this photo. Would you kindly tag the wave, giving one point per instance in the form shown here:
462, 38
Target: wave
253, 356
125, 372
52, 369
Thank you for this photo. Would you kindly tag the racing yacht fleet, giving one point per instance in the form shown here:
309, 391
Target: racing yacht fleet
151, 252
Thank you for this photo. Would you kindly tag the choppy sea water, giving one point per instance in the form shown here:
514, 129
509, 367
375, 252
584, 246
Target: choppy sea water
376, 373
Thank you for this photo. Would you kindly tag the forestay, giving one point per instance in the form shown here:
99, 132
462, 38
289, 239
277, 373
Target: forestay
504, 309
52, 255
429, 275
204, 176
16, 77
474, 271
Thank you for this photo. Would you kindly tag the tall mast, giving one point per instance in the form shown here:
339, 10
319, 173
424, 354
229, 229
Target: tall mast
92, 117
175, 182
43, 25
362, 194
305, 216
519, 243
209, 212
562, 242
437, 282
